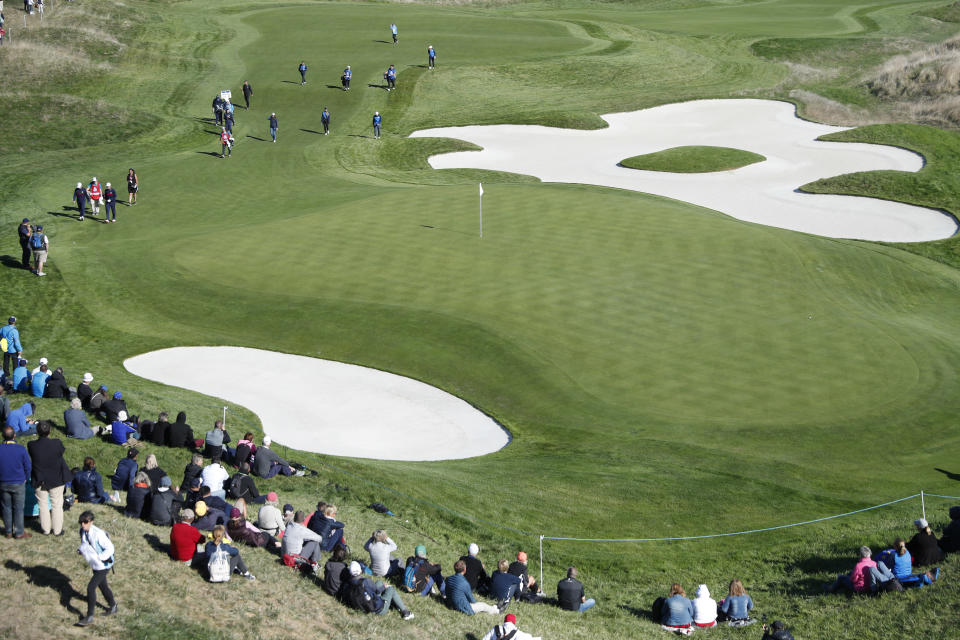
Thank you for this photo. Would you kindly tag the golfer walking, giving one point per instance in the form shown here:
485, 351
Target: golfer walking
40, 245
391, 77
345, 78
376, 124
303, 73
393, 32
23, 232
80, 197
247, 92
274, 125
325, 120
110, 203
431, 57
226, 142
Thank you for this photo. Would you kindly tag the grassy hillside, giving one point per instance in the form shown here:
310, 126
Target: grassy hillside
664, 370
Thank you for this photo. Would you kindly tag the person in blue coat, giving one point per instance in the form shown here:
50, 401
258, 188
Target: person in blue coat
325, 121
38, 382
431, 57
15, 470
77, 422
303, 72
459, 596
88, 485
11, 357
80, 197
20, 420
391, 77
393, 32
677, 612
110, 200
21, 377
218, 543
345, 78
126, 471
376, 124
123, 432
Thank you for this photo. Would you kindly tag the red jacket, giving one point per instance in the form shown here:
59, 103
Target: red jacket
225, 138
183, 541
94, 190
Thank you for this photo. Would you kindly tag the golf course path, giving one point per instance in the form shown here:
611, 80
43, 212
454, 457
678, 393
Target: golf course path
330, 407
764, 193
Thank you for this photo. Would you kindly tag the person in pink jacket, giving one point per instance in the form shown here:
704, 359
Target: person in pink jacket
866, 576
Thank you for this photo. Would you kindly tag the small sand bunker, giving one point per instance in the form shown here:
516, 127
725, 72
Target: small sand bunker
764, 193
329, 407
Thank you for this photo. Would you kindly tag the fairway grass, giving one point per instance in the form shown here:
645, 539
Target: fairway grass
664, 370
693, 159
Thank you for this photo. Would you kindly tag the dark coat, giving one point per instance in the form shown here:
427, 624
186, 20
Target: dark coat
180, 434
164, 507
155, 475
123, 477
84, 392
138, 502
56, 386
112, 408
242, 486
49, 469
160, 433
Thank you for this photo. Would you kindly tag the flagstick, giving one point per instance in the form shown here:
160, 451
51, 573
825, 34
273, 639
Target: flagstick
481, 211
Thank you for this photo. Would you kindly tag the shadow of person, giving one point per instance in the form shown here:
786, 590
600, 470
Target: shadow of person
291, 82
66, 212
256, 138
156, 544
311, 131
643, 614
10, 262
209, 153
43, 576
949, 474
335, 86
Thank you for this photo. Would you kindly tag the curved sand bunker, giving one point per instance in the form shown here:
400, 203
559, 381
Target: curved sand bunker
763, 193
330, 407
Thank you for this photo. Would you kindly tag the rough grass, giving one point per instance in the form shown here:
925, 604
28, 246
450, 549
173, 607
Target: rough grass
693, 160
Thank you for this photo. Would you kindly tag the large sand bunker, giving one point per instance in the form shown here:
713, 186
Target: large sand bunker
330, 407
764, 193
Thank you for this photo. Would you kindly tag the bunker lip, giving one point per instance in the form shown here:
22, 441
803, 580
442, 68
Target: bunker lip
329, 407
763, 193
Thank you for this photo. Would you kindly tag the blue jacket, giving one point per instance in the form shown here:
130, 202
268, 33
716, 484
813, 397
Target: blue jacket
12, 334
123, 476
211, 548
39, 383
459, 595
14, 463
737, 607
21, 379
500, 583
18, 418
677, 611
78, 424
903, 565
120, 431
88, 487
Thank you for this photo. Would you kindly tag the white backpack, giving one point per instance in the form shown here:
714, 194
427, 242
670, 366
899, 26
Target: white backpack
219, 566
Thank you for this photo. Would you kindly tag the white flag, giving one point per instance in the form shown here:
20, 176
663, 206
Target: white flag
481, 189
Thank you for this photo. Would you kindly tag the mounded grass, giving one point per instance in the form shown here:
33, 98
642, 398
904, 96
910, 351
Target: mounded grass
693, 159
664, 370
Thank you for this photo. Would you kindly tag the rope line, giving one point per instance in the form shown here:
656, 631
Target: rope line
934, 495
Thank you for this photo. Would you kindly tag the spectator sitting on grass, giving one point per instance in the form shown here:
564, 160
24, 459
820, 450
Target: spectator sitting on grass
21, 420
218, 542
193, 470
508, 630
21, 377
426, 574
215, 442
300, 541
368, 597
214, 475
268, 464
208, 517
704, 608
85, 391
243, 532
246, 450
110, 409
328, 527
243, 487
270, 518
776, 631
97, 400
38, 381
138, 497
737, 605
476, 573
214, 502
57, 385
923, 545
903, 566
865, 577
570, 593
124, 431
677, 612
126, 471
950, 540
159, 433
529, 589
504, 586
184, 539
152, 469
164, 504
77, 422
336, 572
459, 595
180, 434
192, 493
380, 546
88, 485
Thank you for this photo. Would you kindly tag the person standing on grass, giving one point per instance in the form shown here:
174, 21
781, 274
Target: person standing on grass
80, 197
274, 125
133, 186
345, 78
23, 233
376, 124
228, 120
11, 334
110, 203
218, 109
393, 32
40, 245
431, 57
50, 475
95, 193
15, 469
225, 146
391, 77
570, 593
247, 92
303, 72
325, 121
97, 549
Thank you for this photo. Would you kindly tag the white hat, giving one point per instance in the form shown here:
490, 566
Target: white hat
43, 361
122, 415
921, 523
355, 569
266, 441
79, 185
94, 178
108, 184
703, 592
88, 377
473, 549
376, 113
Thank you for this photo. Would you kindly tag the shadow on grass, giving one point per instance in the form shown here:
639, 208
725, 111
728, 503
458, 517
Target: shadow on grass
643, 614
462, 233
290, 82
377, 86
43, 576
209, 153
949, 474
11, 262
66, 212
383, 41
335, 86
358, 135
311, 131
157, 544
256, 138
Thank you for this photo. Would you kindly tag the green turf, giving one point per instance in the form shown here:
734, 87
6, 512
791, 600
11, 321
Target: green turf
693, 159
664, 370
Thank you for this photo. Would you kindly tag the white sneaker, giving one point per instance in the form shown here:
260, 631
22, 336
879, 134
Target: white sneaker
408, 615
300, 474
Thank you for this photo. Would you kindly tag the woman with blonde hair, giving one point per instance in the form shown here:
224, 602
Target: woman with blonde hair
137, 496
152, 469
677, 612
218, 543
737, 605
379, 546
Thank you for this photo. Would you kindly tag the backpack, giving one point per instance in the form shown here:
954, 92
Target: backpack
359, 598
219, 566
410, 575
234, 489
36, 241
500, 635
